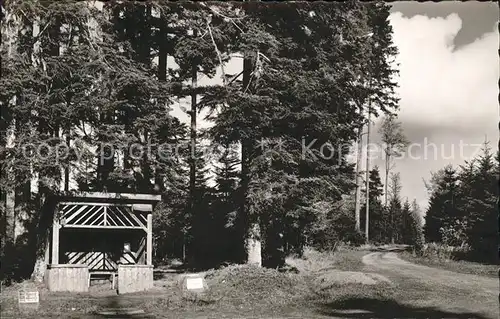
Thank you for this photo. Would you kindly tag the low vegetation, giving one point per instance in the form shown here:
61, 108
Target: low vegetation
450, 258
234, 289
315, 285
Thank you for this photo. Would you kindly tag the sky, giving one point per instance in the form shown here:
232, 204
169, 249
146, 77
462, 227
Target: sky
448, 87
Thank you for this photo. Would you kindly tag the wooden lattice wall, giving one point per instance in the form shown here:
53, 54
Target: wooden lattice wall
103, 216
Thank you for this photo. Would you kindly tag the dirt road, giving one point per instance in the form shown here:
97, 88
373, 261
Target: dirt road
437, 288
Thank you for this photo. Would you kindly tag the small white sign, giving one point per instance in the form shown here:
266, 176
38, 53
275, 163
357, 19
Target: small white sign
194, 283
28, 296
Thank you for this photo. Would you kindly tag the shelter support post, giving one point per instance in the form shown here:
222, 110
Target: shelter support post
149, 240
55, 240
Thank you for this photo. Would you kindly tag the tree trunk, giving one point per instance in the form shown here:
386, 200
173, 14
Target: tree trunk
392, 226
357, 208
162, 77
146, 59
192, 160
49, 186
253, 240
386, 184
193, 113
41, 262
45, 219
254, 249
367, 220
10, 224
22, 208
66, 169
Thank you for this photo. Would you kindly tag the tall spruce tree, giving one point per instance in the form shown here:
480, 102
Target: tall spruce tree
395, 208
442, 204
293, 59
481, 206
416, 229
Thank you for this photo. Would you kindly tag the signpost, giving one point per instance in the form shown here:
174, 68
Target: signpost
29, 299
194, 283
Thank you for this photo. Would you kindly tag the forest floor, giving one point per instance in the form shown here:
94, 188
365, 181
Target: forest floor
352, 283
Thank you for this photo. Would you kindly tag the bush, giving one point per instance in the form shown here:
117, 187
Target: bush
455, 234
443, 252
355, 238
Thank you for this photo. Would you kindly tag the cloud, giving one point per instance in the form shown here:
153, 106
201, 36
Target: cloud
440, 86
448, 95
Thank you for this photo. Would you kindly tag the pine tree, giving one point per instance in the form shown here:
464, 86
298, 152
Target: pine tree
463, 206
395, 208
227, 221
442, 205
405, 228
416, 230
482, 207
94, 85
306, 61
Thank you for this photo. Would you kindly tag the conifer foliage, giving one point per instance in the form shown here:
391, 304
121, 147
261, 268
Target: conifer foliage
91, 89
464, 207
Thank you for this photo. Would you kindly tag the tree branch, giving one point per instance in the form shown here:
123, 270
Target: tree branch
216, 51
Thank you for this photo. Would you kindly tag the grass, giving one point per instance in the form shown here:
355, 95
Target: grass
459, 266
240, 291
234, 291
314, 262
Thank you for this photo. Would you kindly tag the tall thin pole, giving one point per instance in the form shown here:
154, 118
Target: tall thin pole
357, 209
192, 162
367, 220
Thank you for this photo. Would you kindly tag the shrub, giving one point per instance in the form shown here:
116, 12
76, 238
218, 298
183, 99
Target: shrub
455, 234
355, 238
443, 251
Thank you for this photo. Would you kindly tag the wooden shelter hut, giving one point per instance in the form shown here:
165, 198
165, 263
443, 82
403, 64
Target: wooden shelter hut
100, 234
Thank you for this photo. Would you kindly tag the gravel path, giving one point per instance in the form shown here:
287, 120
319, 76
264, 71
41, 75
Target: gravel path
446, 289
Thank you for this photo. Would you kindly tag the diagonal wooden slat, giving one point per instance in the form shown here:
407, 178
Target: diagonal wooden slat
144, 218
69, 209
127, 258
97, 211
76, 213
79, 258
99, 221
63, 208
75, 257
110, 221
136, 219
87, 257
95, 260
106, 261
109, 264
125, 217
132, 257
84, 214
142, 248
113, 213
